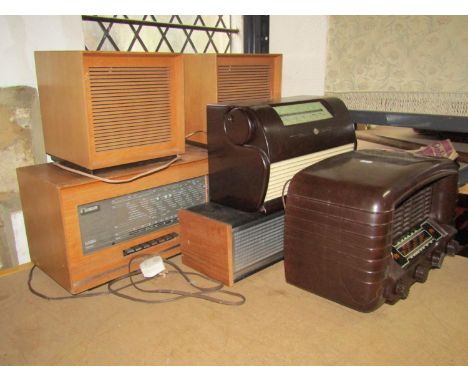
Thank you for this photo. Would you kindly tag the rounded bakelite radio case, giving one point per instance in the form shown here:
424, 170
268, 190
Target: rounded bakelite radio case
362, 227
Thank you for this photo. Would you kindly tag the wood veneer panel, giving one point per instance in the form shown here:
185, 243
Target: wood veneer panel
83, 92
51, 197
212, 257
40, 200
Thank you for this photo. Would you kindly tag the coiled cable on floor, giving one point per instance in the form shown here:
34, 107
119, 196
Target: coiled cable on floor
201, 293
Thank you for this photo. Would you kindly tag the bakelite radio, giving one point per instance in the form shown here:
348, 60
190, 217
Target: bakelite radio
362, 227
255, 147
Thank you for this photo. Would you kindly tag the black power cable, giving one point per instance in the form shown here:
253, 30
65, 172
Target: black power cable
39, 294
201, 293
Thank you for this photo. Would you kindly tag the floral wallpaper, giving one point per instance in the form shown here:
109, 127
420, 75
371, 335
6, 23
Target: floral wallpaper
400, 62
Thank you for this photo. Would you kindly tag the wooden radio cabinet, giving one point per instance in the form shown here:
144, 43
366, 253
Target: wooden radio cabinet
83, 232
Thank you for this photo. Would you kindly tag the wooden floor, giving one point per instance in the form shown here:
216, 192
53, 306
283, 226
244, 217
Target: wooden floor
278, 325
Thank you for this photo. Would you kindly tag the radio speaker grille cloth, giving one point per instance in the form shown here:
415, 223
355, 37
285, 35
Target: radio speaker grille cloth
244, 82
131, 106
412, 212
256, 243
281, 172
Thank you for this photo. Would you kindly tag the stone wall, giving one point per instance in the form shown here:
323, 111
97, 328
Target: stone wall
17, 112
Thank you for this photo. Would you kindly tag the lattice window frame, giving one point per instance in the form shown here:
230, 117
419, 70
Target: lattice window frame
136, 24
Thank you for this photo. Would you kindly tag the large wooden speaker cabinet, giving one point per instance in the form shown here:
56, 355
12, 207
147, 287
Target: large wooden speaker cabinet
103, 109
220, 78
83, 232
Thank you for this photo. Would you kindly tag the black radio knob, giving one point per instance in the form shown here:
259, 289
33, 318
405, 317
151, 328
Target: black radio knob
437, 259
239, 125
420, 273
401, 289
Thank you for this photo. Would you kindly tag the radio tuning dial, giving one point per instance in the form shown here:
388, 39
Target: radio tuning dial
239, 125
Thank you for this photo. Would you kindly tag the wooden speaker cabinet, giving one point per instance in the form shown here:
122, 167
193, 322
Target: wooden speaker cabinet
103, 109
83, 232
227, 244
213, 78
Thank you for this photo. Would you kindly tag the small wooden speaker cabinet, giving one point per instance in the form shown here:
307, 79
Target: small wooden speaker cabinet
227, 244
103, 109
213, 78
83, 232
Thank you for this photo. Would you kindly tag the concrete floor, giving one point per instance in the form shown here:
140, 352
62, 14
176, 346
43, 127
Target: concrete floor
278, 325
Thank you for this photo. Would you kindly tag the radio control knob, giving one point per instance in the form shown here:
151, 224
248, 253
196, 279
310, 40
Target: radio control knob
437, 259
401, 289
420, 273
239, 125
453, 247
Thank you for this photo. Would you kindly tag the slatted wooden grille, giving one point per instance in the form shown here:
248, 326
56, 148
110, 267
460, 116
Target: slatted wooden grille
412, 211
131, 106
244, 82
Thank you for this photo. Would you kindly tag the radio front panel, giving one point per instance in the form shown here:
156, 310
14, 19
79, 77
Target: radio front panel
112, 221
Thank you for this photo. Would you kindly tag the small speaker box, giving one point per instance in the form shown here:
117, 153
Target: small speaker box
229, 245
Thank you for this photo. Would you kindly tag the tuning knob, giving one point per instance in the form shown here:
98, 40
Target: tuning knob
420, 273
401, 289
239, 125
453, 247
437, 259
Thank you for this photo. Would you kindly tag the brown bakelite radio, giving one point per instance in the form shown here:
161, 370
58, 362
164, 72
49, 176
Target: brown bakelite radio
255, 147
103, 109
362, 227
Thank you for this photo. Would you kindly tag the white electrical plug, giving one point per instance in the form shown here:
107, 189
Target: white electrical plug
152, 266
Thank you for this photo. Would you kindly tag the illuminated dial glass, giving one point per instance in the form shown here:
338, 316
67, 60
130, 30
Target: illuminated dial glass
302, 113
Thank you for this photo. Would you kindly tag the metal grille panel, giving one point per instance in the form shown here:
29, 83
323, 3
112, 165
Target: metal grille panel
412, 212
130, 106
256, 243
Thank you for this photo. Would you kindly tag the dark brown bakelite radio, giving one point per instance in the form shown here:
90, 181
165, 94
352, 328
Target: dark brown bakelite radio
255, 147
362, 227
